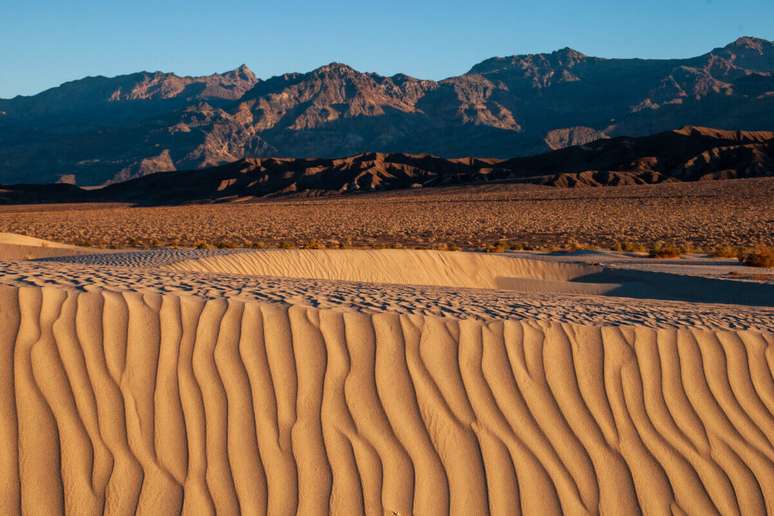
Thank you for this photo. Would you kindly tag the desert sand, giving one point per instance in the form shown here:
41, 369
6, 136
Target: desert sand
352, 382
14, 246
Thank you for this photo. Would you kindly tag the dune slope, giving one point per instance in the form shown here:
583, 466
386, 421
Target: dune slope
122, 402
399, 266
14, 247
467, 270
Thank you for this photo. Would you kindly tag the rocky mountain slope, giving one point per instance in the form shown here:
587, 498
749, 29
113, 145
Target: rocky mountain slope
687, 154
99, 130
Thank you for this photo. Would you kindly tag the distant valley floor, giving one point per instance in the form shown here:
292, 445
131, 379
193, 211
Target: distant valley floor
699, 214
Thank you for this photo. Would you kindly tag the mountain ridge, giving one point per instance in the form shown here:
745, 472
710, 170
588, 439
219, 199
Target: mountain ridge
108, 130
687, 154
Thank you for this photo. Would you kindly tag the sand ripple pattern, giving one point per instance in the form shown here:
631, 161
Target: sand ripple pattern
459, 303
123, 403
143, 258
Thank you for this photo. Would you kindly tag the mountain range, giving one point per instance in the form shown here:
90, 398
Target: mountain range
102, 130
686, 154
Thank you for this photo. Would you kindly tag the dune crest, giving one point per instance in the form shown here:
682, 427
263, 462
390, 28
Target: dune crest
469, 270
122, 402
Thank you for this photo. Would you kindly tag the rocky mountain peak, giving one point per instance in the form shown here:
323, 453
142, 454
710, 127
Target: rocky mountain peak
569, 54
751, 43
244, 73
336, 69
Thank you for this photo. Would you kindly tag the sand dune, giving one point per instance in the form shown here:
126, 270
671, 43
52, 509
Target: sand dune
14, 246
476, 270
315, 382
459, 303
404, 267
122, 402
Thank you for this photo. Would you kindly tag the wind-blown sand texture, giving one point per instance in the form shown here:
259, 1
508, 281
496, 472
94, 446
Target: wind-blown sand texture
118, 396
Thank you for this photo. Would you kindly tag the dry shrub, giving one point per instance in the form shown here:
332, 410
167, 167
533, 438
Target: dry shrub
632, 247
725, 251
665, 250
226, 244
497, 247
759, 256
574, 245
315, 244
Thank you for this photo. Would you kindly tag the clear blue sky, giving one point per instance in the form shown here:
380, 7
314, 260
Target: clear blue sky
47, 42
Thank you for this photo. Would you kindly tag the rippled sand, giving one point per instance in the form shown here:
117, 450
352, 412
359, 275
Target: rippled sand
195, 382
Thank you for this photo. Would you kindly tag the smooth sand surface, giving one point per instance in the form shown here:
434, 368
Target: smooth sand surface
21, 247
120, 397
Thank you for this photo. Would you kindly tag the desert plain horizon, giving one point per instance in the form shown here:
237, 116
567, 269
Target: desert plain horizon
544, 286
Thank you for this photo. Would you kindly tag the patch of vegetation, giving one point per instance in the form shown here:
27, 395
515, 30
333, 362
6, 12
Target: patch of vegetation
665, 250
498, 247
725, 251
633, 247
315, 244
759, 256
574, 245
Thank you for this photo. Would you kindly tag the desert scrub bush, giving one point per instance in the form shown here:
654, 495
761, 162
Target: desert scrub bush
725, 251
574, 245
446, 246
287, 245
497, 247
759, 256
665, 250
690, 248
226, 244
204, 245
314, 244
632, 247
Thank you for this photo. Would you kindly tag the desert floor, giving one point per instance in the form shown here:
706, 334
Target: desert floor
694, 215
381, 381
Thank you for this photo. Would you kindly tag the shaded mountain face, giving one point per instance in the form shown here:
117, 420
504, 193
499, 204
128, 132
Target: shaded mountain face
687, 154
99, 130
